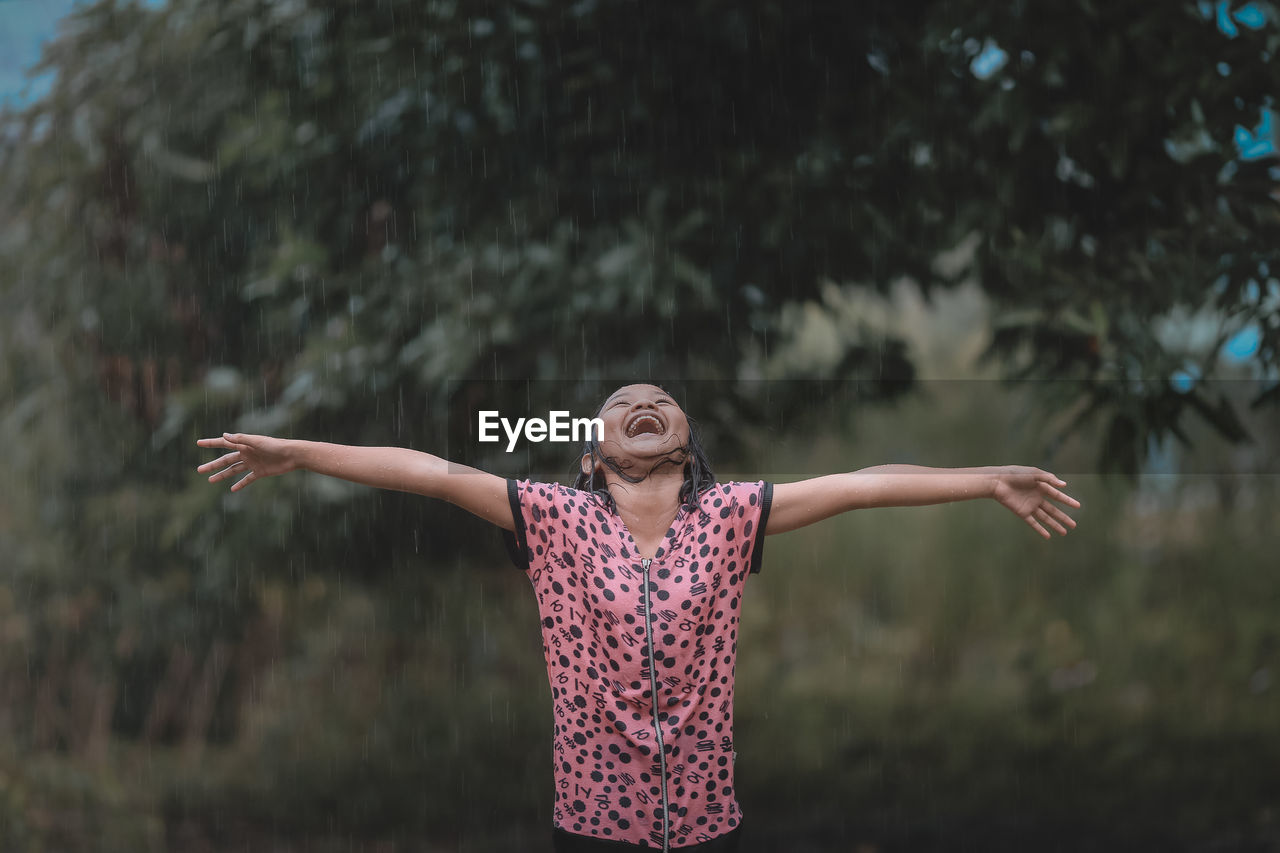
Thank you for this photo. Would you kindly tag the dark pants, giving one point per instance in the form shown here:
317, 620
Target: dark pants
567, 842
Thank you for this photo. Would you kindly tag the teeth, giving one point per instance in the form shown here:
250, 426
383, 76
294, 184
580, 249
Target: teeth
631, 430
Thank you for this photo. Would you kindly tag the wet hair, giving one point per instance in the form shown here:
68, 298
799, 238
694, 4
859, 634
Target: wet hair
698, 476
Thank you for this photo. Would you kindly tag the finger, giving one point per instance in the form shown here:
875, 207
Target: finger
1048, 519
239, 439
225, 459
1059, 495
246, 480
230, 471
1036, 526
1059, 514
213, 442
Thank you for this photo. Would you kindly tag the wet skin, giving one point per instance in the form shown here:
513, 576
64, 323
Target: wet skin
637, 445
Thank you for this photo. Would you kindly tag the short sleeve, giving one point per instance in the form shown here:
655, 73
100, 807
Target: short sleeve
534, 508
760, 500
516, 541
736, 514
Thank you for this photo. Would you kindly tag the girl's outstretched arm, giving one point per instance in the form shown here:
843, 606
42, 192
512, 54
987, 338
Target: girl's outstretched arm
1029, 493
255, 457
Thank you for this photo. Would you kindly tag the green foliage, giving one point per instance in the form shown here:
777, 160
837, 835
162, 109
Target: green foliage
944, 671
52, 805
383, 722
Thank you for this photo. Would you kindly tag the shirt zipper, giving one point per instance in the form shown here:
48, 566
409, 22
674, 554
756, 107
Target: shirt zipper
653, 690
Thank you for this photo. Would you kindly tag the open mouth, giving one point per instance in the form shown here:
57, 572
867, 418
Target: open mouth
644, 423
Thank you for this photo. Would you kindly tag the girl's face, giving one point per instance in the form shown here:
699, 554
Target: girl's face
641, 422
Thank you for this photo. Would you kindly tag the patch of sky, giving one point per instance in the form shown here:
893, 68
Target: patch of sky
989, 60
1251, 16
25, 27
1243, 345
1193, 333
1259, 142
1184, 378
1225, 25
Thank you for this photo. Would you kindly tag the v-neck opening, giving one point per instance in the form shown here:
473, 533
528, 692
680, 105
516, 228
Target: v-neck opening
662, 545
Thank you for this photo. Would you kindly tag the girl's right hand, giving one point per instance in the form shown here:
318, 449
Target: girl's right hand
252, 457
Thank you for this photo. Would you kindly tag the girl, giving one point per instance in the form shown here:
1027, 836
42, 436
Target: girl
638, 571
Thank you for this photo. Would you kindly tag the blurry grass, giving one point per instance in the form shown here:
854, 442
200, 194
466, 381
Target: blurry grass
54, 803
417, 714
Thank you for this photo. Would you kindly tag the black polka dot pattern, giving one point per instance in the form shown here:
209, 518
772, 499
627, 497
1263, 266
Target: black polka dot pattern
602, 610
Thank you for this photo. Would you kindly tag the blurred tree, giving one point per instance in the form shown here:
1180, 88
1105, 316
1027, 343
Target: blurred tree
345, 220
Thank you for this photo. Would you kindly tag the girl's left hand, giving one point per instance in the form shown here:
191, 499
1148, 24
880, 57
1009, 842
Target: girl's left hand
1030, 494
